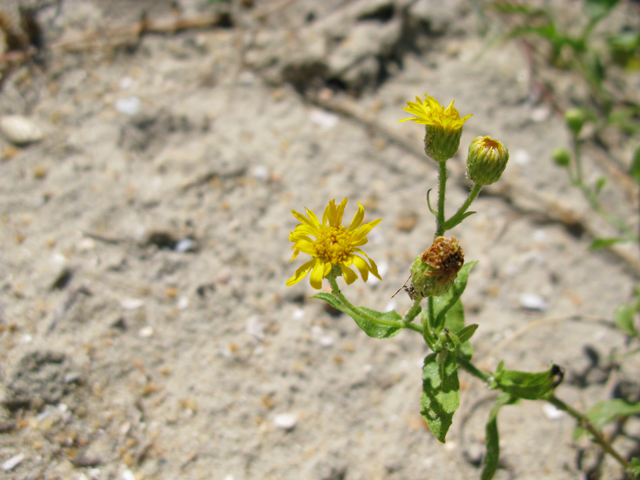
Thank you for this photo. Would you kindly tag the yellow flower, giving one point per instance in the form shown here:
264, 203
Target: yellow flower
443, 127
430, 112
334, 244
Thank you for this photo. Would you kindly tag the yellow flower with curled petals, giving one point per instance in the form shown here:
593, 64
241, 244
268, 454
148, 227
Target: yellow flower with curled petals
334, 244
443, 126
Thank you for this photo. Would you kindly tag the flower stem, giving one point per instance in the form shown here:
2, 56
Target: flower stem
335, 290
472, 369
459, 216
585, 423
413, 311
442, 177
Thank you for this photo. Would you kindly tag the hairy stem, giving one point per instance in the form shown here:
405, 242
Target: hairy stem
442, 188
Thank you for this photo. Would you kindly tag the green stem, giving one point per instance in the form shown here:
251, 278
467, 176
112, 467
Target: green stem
413, 311
335, 290
442, 177
585, 423
472, 369
427, 322
459, 216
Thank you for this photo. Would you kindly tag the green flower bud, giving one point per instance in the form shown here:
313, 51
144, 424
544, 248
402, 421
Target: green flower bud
441, 144
486, 161
561, 157
575, 119
434, 272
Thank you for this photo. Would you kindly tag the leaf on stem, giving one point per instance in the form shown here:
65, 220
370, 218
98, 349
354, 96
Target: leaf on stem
606, 242
440, 393
598, 9
369, 327
444, 303
604, 412
624, 317
529, 385
493, 439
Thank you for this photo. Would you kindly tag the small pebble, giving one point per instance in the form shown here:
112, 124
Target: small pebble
86, 245
285, 421
184, 245
298, 314
539, 236
552, 412
20, 130
128, 105
146, 332
323, 118
246, 78
260, 172
131, 303
521, 157
326, 341
531, 301
183, 303
126, 82
255, 328
13, 462
128, 475
391, 305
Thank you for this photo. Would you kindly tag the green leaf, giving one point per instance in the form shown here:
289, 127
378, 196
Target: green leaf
624, 317
597, 9
440, 393
360, 316
604, 412
635, 165
492, 457
634, 469
600, 183
466, 333
443, 303
606, 242
529, 385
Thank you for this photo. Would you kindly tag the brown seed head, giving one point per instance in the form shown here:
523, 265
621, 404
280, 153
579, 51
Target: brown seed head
445, 257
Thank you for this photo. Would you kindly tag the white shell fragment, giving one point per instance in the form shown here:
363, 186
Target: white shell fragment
131, 303
255, 328
531, 301
128, 105
13, 462
285, 421
552, 412
20, 130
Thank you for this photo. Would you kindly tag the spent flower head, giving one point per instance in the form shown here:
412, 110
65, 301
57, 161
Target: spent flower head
486, 161
443, 126
433, 272
334, 244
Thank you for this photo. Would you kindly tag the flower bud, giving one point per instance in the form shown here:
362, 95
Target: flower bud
561, 157
486, 161
441, 144
575, 119
434, 272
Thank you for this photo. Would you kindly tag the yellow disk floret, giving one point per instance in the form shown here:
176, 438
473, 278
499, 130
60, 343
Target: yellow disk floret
334, 244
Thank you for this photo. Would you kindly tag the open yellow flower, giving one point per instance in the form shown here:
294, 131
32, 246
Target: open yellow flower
443, 126
334, 244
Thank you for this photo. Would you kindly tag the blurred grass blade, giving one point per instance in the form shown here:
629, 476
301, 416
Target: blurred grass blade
492, 457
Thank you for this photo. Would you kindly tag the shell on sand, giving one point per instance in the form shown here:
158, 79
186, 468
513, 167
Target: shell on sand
20, 130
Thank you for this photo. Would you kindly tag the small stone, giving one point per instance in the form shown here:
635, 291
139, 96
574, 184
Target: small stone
20, 130
552, 412
128, 105
533, 302
131, 303
86, 245
128, 475
255, 328
285, 421
13, 462
184, 245
323, 118
146, 332
183, 303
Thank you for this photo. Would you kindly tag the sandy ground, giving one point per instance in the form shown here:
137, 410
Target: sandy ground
146, 330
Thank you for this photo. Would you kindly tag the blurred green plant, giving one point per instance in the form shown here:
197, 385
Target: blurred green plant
608, 106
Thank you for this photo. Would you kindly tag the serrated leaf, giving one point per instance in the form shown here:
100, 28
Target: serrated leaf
492, 457
624, 317
529, 385
372, 329
605, 242
443, 303
440, 393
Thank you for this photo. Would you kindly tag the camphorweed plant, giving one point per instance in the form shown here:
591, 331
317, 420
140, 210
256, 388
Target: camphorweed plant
438, 277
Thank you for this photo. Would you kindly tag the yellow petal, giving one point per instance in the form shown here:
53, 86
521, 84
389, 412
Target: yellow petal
357, 218
301, 273
362, 267
348, 274
318, 272
373, 268
359, 237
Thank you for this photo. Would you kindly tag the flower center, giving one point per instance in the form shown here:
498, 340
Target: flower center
334, 244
